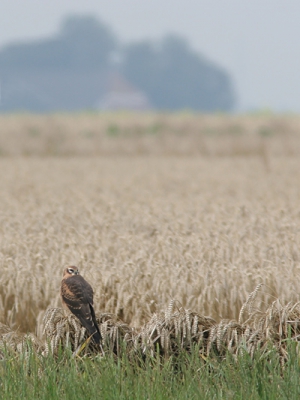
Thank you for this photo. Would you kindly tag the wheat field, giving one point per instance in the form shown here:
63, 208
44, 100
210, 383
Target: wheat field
201, 218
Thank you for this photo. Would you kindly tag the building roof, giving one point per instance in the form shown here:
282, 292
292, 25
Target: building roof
122, 95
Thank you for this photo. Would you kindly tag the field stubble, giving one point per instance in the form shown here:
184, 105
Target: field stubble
202, 229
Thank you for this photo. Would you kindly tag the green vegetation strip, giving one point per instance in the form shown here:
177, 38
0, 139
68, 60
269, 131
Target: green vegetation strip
29, 376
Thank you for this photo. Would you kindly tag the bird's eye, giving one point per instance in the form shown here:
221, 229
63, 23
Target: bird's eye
71, 270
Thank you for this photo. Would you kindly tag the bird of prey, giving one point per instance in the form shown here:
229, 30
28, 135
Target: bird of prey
77, 296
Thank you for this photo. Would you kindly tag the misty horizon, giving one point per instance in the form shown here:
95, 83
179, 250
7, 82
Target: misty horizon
255, 42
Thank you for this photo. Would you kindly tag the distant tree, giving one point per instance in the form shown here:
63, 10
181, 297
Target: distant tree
89, 42
175, 77
83, 43
64, 72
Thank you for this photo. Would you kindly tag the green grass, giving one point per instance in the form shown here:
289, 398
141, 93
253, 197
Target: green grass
190, 377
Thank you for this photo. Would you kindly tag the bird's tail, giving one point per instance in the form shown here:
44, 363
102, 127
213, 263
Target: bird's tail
97, 338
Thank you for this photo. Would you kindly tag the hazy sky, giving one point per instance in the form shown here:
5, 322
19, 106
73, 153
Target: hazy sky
257, 41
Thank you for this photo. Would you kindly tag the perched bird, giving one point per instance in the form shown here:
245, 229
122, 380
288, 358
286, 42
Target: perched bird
77, 296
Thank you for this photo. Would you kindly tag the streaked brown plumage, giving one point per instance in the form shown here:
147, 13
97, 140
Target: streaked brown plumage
77, 296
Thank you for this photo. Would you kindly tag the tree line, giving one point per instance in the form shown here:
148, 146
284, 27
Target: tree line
69, 71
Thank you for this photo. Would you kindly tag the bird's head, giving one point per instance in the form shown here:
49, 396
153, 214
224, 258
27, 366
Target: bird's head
69, 271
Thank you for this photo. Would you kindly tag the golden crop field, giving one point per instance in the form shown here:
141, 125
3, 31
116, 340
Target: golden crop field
200, 209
